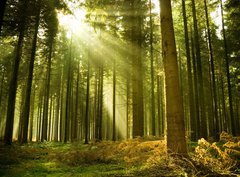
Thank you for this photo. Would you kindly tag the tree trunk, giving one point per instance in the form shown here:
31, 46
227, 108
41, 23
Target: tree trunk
215, 106
128, 134
189, 72
32, 116
68, 95
176, 141
137, 77
75, 129
61, 108
47, 90
50, 119
152, 73
203, 123
13, 82
26, 107
231, 120
87, 103
114, 100
2, 10
100, 103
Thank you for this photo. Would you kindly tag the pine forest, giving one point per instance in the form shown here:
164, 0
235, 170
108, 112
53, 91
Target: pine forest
119, 88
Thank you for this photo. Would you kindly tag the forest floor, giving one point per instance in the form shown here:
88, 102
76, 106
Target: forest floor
138, 157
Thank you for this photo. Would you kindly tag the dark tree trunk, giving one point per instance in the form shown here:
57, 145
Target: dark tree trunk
114, 100
26, 107
224, 114
128, 109
68, 96
39, 118
87, 104
231, 120
13, 82
100, 103
152, 74
137, 77
61, 108
75, 129
56, 119
189, 72
197, 116
203, 126
2, 10
47, 90
32, 116
215, 104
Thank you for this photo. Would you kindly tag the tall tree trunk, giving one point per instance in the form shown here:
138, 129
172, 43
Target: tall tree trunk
1, 89
215, 104
32, 116
75, 129
203, 126
50, 119
189, 72
61, 108
176, 141
160, 106
128, 134
225, 126
231, 120
152, 73
137, 77
57, 126
95, 104
114, 100
21, 118
196, 106
100, 103
13, 82
2, 10
26, 107
68, 95
47, 90
87, 103
39, 118
56, 119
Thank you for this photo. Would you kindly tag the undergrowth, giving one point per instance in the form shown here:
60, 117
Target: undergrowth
137, 157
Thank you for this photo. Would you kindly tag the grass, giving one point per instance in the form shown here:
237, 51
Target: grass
138, 157
46, 160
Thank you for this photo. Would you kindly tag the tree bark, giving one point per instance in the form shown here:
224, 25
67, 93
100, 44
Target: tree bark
215, 104
32, 116
75, 129
13, 82
47, 90
189, 72
176, 141
114, 100
203, 123
68, 95
87, 103
26, 107
152, 74
231, 120
137, 77
2, 10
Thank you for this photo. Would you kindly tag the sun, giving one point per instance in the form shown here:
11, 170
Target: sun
72, 22
156, 8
